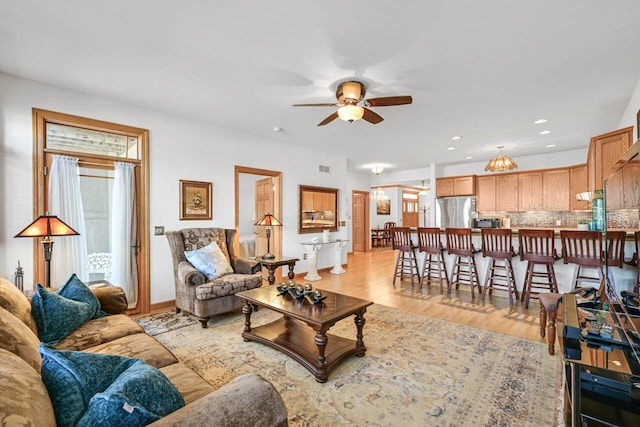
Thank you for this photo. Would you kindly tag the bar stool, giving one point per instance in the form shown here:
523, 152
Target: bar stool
433, 267
615, 258
584, 249
406, 262
464, 269
536, 247
496, 244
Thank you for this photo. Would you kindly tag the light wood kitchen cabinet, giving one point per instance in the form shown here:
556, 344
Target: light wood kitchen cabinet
307, 201
507, 192
604, 152
556, 189
529, 191
578, 183
486, 193
456, 186
623, 188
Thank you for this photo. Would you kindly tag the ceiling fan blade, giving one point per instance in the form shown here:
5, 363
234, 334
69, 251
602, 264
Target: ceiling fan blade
317, 105
371, 117
329, 119
388, 101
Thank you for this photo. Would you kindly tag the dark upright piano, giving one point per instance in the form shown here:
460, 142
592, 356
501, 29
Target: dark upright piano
601, 341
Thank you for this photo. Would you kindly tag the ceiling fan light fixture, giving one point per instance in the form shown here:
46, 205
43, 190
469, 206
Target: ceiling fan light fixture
501, 163
349, 113
377, 170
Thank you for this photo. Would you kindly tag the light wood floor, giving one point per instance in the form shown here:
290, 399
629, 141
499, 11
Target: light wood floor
370, 274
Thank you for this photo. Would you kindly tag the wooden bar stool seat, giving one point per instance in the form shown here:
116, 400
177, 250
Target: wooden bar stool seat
537, 248
406, 261
497, 245
464, 269
433, 267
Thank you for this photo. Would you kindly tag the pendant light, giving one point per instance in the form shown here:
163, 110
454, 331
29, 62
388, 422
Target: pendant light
501, 163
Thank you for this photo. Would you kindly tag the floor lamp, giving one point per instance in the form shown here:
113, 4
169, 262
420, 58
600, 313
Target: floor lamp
268, 221
47, 226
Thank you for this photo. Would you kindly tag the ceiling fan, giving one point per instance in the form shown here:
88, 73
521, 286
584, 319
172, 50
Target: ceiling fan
353, 106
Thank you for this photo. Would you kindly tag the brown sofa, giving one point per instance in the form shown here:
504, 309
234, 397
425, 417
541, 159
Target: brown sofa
24, 399
199, 296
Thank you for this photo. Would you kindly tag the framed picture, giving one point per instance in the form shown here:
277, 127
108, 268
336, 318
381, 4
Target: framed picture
383, 207
195, 200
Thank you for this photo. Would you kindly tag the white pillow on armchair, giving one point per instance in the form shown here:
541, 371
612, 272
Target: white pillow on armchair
210, 261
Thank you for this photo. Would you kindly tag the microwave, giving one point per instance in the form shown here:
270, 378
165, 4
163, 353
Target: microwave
486, 223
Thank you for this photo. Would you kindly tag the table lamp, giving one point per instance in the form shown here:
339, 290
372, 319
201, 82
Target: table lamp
268, 221
47, 226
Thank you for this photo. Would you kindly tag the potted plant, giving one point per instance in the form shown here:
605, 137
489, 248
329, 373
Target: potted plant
583, 224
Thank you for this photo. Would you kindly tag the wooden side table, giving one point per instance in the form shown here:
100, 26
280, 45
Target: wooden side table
272, 264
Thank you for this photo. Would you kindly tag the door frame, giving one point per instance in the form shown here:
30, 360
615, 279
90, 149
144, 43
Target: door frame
276, 233
366, 222
40, 119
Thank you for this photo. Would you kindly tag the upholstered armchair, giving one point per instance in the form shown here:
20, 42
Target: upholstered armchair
194, 292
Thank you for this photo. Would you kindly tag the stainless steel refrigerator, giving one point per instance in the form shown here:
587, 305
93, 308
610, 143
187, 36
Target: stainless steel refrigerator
455, 212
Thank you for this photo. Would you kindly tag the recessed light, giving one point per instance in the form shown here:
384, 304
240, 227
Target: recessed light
550, 145
451, 148
540, 121
545, 132
277, 129
455, 138
468, 157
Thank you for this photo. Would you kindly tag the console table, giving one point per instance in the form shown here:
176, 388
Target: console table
312, 249
272, 264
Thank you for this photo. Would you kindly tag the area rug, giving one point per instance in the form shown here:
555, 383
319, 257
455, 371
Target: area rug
417, 371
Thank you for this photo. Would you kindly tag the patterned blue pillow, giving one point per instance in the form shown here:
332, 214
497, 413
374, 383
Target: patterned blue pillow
90, 389
57, 314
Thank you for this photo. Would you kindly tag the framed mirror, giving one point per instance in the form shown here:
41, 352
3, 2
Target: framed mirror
318, 209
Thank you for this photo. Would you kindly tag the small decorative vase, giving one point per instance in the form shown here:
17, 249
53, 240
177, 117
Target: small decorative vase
325, 236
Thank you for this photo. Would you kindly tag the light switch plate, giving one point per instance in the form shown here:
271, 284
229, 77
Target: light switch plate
159, 230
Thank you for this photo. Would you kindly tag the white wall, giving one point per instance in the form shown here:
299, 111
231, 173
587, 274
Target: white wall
629, 118
179, 149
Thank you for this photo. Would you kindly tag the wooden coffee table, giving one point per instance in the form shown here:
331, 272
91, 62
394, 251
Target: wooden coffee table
302, 332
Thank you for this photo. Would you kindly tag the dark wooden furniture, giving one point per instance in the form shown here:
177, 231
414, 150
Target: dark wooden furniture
497, 245
549, 304
406, 261
601, 372
302, 332
584, 249
537, 248
433, 268
386, 237
464, 269
377, 237
272, 264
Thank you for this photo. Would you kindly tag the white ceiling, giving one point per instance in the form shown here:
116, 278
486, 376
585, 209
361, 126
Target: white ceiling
484, 70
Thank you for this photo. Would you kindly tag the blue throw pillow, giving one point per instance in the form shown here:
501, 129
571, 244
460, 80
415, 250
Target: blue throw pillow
139, 396
76, 290
99, 389
57, 314
72, 378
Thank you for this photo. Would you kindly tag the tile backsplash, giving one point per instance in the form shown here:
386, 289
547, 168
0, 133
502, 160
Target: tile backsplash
626, 218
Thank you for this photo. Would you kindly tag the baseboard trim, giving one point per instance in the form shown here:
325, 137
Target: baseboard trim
160, 306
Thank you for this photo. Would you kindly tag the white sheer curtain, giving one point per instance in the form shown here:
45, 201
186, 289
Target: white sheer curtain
123, 231
65, 201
